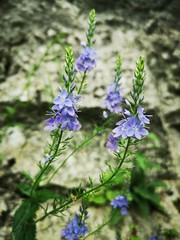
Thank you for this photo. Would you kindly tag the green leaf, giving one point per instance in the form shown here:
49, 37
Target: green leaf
147, 194
98, 199
23, 225
43, 195
10, 110
111, 194
135, 238
26, 175
141, 161
143, 205
116, 217
156, 183
117, 179
27, 232
153, 136
25, 188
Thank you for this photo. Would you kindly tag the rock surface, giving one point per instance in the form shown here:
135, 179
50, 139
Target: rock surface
31, 61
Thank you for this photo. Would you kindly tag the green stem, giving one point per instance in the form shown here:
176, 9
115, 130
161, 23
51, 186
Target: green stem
76, 149
100, 227
93, 189
39, 177
82, 82
57, 146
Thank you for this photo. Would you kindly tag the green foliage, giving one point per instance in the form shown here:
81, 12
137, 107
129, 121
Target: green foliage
135, 238
116, 217
69, 69
154, 137
2, 132
1, 158
9, 114
99, 198
133, 234
25, 188
138, 83
24, 227
91, 29
142, 187
166, 233
118, 69
44, 194
112, 188
170, 233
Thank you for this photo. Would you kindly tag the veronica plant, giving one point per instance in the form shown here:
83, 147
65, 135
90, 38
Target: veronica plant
63, 119
87, 59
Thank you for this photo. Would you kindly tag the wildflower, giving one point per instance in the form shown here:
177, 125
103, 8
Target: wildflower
113, 100
154, 238
120, 202
48, 157
121, 129
63, 100
87, 60
70, 123
143, 118
127, 113
75, 229
105, 114
64, 113
130, 127
51, 124
112, 143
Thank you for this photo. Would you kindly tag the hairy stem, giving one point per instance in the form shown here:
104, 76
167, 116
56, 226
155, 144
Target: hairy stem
82, 82
93, 189
76, 149
100, 226
39, 177
65, 160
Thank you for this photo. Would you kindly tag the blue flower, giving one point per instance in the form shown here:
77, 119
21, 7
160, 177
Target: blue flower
51, 124
75, 229
130, 127
64, 100
121, 202
135, 128
154, 238
64, 113
143, 118
121, 129
70, 123
48, 158
113, 100
87, 60
112, 143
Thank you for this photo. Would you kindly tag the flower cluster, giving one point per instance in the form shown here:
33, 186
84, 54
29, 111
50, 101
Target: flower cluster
87, 60
64, 113
130, 126
120, 202
133, 126
113, 100
75, 229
